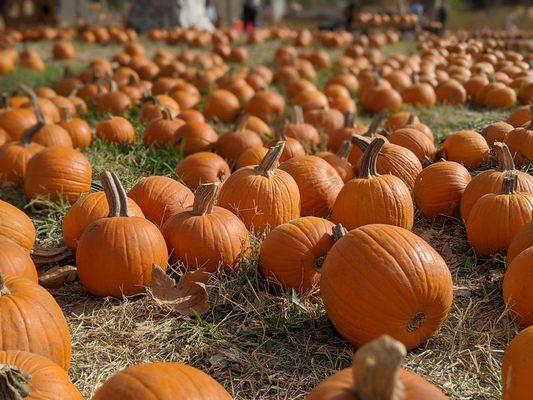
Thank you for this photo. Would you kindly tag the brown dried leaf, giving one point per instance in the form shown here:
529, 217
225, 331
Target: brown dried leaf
41, 255
56, 277
187, 297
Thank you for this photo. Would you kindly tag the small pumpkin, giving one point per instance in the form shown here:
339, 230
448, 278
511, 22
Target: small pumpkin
206, 236
265, 105
339, 160
113, 102
50, 134
16, 260
520, 143
161, 132
419, 94
496, 132
451, 92
496, 218
232, 144
255, 124
262, 196
466, 147
400, 120
299, 130
251, 156
16, 226
517, 288
202, 167
360, 278
305, 242
416, 141
351, 127
517, 368
80, 132
160, 197
32, 321
116, 130
517, 118
115, 254
194, 137
221, 105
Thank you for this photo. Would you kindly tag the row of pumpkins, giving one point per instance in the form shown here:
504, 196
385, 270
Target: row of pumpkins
275, 187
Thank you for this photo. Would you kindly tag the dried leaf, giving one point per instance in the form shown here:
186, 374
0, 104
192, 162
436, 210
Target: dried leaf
187, 297
56, 277
41, 255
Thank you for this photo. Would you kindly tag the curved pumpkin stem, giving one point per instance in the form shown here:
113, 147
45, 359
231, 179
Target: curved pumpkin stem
65, 114
375, 122
375, 370
115, 195
370, 158
151, 99
349, 119
297, 115
205, 198
345, 150
4, 290
13, 383
270, 160
362, 144
510, 183
74, 90
505, 159
411, 119
339, 231
27, 137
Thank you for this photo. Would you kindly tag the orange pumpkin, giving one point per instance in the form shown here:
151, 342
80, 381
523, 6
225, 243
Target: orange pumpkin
339, 160
251, 156
116, 130
265, 105
466, 147
232, 144
161, 132
80, 132
521, 241
16, 260
221, 105
113, 102
496, 132
416, 141
520, 143
202, 167
299, 130
516, 288
194, 137
517, 367
16, 226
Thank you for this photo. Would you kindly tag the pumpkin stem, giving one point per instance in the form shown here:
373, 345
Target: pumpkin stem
415, 78
345, 150
65, 115
505, 159
205, 198
13, 383
411, 119
132, 80
297, 115
166, 113
67, 73
5, 101
339, 231
360, 142
270, 160
370, 157
4, 290
510, 183
115, 195
113, 87
281, 136
375, 369
151, 99
349, 119
74, 90
375, 122
28, 136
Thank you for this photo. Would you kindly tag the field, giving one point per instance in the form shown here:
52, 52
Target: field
257, 342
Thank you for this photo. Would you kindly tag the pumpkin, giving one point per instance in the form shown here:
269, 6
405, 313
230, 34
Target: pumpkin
80, 132
293, 148
416, 141
517, 367
16, 226
265, 105
520, 142
375, 373
232, 144
50, 134
451, 92
466, 147
16, 260
517, 288
381, 97
359, 286
32, 321
351, 127
439, 188
305, 242
517, 118
327, 121
366, 135
496, 132
161, 132
419, 94
255, 124
63, 51
372, 198
160, 197
399, 120
206, 236
116, 130
262, 196
521, 241
490, 181
202, 167
31, 376
191, 116
299, 130
318, 183
161, 381
14, 157
86, 210
251, 156
496, 218
194, 137
113, 102
339, 160
221, 105
57, 172
115, 254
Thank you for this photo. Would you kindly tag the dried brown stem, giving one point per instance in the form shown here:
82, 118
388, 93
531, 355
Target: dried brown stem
505, 159
270, 160
115, 195
205, 198
13, 383
369, 161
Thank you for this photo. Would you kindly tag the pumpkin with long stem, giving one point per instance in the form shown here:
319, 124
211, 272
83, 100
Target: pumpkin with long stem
58, 172
31, 320
262, 196
372, 198
375, 373
160, 197
466, 147
80, 132
490, 181
517, 367
206, 236
161, 381
517, 288
360, 276
496, 218
339, 160
115, 130
15, 225
305, 242
115, 254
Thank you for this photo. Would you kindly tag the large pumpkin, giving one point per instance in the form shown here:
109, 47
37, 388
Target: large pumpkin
262, 196
292, 254
368, 270
517, 367
375, 374
160, 197
58, 172
372, 198
109, 257
16, 260
31, 320
34, 377
496, 218
206, 236
202, 167
161, 381
517, 284
439, 188
15, 225
317, 181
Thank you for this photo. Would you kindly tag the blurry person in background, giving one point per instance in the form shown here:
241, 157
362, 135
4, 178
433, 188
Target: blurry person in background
349, 12
250, 11
442, 14
418, 9
212, 13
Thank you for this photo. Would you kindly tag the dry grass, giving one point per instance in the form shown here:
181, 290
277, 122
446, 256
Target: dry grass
261, 344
